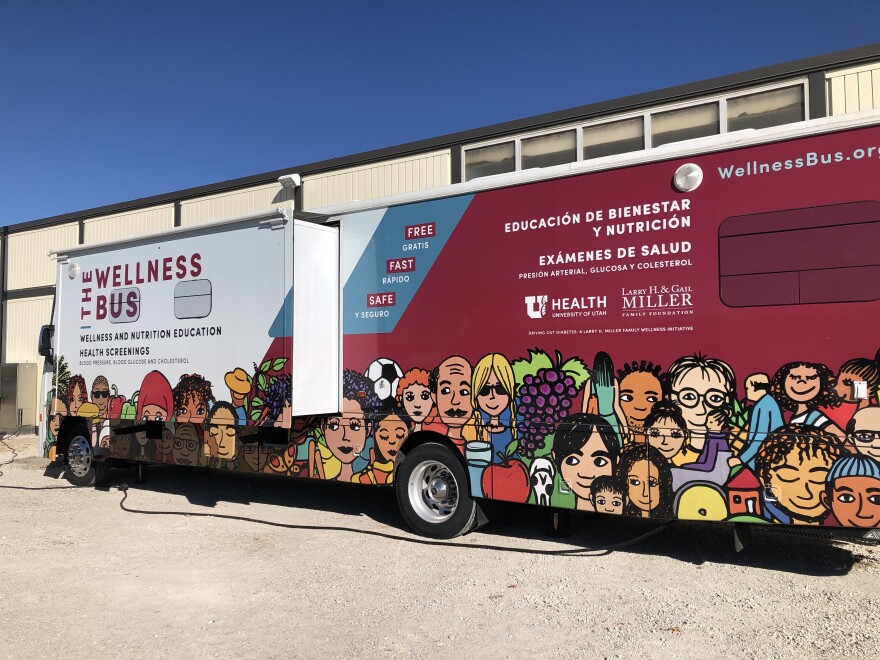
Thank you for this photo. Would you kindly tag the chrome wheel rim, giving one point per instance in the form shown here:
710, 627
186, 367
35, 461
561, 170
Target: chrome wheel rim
79, 456
433, 492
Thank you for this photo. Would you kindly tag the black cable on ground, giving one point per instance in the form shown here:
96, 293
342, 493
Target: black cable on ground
4, 443
395, 537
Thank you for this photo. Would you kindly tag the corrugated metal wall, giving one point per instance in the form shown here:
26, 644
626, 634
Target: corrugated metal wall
23, 320
233, 203
391, 177
25, 316
127, 225
853, 90
28, 259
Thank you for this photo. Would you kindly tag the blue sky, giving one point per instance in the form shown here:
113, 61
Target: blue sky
103, 101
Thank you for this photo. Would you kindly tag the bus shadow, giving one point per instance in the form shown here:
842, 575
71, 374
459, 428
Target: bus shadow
589, 535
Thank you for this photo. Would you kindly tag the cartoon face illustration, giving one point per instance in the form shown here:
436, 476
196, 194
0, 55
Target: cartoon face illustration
101, 394
346, 435
802, 383
390, 434
416, 400
192, 397
121, 446
76, 394
453, 393
864, 431
193, 409
57, 410
156, 401
583, 465
666, 437
844, 387
221, 426
793, 465
608, 501
797, 484
607, 494
585, 449
165, 444
254, 456
642, 486
186, 445
639, 391
493, 397
855, 501
699, 394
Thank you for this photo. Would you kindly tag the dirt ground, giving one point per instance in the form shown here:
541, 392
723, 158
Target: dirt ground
224, 565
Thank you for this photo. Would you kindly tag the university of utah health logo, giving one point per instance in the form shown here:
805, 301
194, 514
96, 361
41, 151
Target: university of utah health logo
536, 306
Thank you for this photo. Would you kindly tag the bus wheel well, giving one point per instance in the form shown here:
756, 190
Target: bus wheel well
423, 437
69, 428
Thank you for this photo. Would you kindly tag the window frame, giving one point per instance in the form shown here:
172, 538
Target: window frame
645, 113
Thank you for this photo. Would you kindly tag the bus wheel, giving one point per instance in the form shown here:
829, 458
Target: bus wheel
82, 468
432, 492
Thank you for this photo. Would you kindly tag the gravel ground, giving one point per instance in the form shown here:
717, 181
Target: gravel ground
218, 565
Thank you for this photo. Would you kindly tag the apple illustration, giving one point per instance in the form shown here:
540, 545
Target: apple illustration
507, 480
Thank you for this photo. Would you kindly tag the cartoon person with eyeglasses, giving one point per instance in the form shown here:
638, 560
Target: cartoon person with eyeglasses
703, 387
492, 398
863, 431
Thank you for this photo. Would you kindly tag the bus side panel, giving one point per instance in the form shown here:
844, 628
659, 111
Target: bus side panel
188, 331
560, 312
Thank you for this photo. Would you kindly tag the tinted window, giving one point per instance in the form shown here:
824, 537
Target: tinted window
815, 255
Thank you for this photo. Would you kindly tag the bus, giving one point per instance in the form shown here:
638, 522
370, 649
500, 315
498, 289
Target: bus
683, 333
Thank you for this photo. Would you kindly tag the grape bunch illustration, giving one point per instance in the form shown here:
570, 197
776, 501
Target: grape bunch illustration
544, 396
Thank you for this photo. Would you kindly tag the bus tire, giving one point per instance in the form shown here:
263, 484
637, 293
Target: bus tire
82, 467
432, 492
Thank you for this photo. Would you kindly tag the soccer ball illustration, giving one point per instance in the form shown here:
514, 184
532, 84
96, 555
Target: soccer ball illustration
384, 374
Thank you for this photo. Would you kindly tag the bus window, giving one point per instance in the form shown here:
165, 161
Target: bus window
821, 254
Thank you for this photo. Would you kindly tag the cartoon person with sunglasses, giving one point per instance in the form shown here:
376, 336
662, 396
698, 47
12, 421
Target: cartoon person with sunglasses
492, 398
101, 395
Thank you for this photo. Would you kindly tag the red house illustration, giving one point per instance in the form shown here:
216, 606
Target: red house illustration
744, 493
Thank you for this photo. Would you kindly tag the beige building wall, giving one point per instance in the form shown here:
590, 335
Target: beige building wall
234, 203
854, 90
128, 225
391, 177
23, 320
29, 264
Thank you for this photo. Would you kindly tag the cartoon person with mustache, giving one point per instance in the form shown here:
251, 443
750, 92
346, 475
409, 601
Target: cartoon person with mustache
450, 386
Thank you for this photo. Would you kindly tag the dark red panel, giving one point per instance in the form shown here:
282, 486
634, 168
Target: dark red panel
760, 290
840, 285
817, 216
807, 249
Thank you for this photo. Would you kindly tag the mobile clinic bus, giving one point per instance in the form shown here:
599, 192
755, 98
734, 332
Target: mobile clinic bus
686, 332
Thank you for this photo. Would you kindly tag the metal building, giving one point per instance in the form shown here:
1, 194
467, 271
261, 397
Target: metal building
834, 84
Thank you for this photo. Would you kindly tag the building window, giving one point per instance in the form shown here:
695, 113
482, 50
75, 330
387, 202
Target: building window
822, 254
617, 137
685, 124
632, 132
485, 161
765, 109
549, 150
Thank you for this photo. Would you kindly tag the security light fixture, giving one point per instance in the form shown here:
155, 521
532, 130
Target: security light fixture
290, 180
